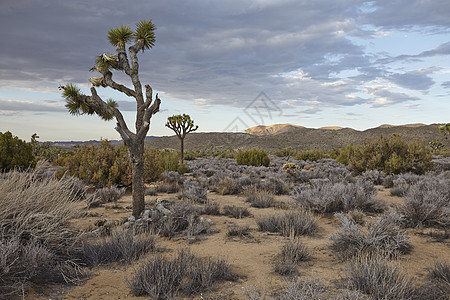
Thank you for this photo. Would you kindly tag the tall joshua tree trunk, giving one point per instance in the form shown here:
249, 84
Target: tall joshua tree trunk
146, 107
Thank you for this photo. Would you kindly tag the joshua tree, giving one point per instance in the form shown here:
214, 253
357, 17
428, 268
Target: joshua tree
142, 38
182, 125
445, 129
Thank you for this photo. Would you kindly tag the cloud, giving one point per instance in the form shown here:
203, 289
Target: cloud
223, 52
446, 84
381, 96
45, 106
415, 80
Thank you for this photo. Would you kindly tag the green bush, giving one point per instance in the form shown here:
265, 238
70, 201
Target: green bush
253, 157
311, 155
392, 155
107, 165
15, 153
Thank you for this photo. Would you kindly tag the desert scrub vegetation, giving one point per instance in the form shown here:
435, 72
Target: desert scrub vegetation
253, 157
194, 192
426, 203
379, 278
290, 224
260, 198
15, 153
438, 283
121, 245
236, 212
37, 243
292, 252
105, 195
183, 275
178, 219
327, 197
105, 164
383, 237
392, 155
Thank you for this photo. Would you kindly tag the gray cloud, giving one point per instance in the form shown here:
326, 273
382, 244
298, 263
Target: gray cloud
225, 52
382, 96
446, 84
14, 105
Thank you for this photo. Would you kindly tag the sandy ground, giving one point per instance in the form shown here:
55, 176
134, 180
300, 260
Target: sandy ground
252, 257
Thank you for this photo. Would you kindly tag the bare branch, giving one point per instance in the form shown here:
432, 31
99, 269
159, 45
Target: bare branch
119, 87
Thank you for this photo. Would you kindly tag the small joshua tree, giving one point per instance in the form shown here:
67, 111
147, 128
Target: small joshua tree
78, 104
181, 125
445, 129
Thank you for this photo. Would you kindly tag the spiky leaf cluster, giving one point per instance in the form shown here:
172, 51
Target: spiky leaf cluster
105, 61
145, 31
119, 36
74, 102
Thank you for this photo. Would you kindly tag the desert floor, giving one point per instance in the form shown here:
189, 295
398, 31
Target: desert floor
251, 257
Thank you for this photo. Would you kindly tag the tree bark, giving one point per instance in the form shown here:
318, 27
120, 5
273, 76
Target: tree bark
182, 150
137, 161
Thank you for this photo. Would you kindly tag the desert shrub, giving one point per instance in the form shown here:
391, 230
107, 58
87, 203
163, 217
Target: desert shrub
373, 176
162, 278
308, 289
238, 231
274, 184
253, 157
235, 211
194, 191
37, 243
121, 245
426, 204
290, 168
311, 155
327, 197
105, 165
438, 283
260, 198
211, 209
379, 278
292, 224
292, 252
106, 195
157, 161
181, 219
382, 237
169, 188
227, 186
15, 153
285, 152
45, 151
391, 155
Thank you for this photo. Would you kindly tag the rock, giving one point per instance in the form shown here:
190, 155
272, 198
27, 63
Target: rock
131, 219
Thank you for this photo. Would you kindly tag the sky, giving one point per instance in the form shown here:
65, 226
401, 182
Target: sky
232, 64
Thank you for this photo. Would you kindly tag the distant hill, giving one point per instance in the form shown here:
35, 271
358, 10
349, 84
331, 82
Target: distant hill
298, 137
262, 130
288, 136
71, 144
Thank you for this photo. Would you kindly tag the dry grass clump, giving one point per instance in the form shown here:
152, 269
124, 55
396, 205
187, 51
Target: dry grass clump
212, 209
260, 198
300, 222
379, 278
438, 284
184, 275
122, 245
327, 197
194, 191
37, 242
105, 195
292, 252
227, 186
182, 219
427, 204
235, 211
382, 237
238, 231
